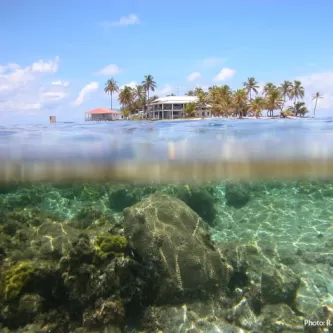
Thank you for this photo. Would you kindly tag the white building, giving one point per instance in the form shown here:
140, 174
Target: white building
172, 107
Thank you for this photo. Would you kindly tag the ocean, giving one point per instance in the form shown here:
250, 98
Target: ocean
214, 225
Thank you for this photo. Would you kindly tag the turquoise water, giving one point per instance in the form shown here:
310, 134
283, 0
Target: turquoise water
189, 251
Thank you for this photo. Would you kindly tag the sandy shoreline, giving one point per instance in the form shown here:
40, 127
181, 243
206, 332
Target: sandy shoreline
235, 118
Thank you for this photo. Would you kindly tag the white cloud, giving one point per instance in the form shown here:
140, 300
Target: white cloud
43, 66
11, 66
60, 83
85, 92
213, 61
193, 76
51, 96
225, 74
15, 105
22, 88
123, 21
110, 70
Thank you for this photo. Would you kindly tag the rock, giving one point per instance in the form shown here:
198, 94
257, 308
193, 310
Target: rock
279, 285
9, 187
242, 315
52, 240
123, 197
106, 313
195, 317
307, 299
29, 196
237, 194
30, 305
317, 189
31, 217
200, 200
168, 236
91, 217
10, 227
280, 318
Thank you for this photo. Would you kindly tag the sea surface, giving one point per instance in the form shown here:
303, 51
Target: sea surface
215, 225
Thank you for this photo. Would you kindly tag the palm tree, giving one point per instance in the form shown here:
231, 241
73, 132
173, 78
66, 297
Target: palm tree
251, 85
198, 91
273, 101
286, 91
297, 91
190, 109
299, 108
139, 95
220, 98
149, 84
240, 102
152, 98
316, 96
111, 87
257, 105
190, 93
201, 99
268, 87
126, 97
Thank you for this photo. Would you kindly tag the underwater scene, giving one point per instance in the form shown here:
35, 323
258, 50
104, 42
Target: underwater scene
185, 252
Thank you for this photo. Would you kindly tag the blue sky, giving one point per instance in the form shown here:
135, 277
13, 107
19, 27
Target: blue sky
56, 56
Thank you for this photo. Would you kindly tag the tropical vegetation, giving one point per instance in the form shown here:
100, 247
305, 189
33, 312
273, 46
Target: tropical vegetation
111, 87
286, 99
315, 97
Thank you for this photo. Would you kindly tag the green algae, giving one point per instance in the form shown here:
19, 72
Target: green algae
15, 278
110, 246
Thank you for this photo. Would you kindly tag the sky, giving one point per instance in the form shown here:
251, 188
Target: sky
55, 57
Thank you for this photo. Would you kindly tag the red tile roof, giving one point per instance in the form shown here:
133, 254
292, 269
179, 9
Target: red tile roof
101, 111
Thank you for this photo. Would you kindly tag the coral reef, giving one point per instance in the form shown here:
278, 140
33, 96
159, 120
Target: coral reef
230, 257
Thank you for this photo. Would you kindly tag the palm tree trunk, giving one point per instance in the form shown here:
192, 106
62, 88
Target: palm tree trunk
314, 111
111, 101
284, 101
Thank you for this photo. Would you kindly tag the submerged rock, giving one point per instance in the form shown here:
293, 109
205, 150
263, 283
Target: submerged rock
91, 217
280, 318
107, 314
171, 238
201, 200
237, 194
279, 285
195, 317
123, 197
52, 239
30, 305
